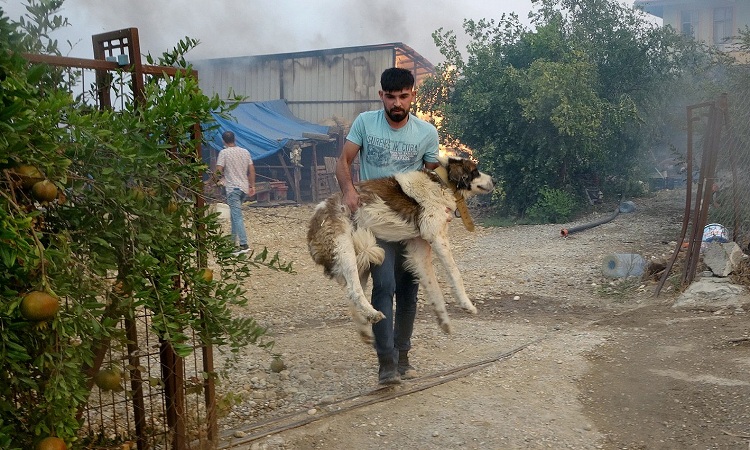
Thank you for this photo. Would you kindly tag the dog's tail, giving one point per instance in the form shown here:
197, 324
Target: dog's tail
366, 249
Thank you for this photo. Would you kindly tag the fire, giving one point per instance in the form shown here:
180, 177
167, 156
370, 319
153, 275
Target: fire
450, 146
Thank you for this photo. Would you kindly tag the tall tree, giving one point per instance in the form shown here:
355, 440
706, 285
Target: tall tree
565, 104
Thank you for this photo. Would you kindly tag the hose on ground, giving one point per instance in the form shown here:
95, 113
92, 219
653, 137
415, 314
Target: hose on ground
567, 231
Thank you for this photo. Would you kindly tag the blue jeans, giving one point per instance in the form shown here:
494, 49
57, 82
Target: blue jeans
234, 200
393, 334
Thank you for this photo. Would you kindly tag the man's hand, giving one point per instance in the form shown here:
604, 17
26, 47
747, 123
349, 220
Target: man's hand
351, 199
218, 176
350, 196
250, 191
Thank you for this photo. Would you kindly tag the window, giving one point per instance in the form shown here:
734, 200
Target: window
689, 23
722, 26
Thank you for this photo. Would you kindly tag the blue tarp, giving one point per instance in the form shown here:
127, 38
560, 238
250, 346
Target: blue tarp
263, 128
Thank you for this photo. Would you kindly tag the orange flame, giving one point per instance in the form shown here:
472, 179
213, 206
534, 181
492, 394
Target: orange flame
452, 146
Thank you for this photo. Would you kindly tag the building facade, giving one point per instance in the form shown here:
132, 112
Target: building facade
714, 22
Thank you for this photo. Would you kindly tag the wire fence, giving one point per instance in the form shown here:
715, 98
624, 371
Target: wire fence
718, 177
730, 187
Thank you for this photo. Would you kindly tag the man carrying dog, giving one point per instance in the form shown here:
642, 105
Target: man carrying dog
388, 141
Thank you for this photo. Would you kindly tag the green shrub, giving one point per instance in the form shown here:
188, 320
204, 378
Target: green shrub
553, 206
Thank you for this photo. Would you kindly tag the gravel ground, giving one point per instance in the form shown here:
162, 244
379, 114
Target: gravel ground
545, 363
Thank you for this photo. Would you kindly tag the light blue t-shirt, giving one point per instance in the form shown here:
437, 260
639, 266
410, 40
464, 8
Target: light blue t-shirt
385, 151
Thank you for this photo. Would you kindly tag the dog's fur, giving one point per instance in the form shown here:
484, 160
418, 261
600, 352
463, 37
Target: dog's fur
413, 207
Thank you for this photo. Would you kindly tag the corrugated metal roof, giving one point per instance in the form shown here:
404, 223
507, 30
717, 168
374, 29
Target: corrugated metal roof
318, 85
421, 64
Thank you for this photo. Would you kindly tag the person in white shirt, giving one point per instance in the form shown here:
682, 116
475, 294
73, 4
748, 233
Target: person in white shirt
235, 167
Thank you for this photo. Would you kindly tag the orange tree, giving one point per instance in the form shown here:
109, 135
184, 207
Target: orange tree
97, 221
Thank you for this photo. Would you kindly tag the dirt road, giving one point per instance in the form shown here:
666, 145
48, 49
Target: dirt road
558, 356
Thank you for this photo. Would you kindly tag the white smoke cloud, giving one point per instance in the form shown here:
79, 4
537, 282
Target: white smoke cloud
228, 28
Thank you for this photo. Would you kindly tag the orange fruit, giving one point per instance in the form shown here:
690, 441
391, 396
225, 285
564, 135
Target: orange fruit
171, 207
51, 443
207, 275
138, 194
108, 380
44, 191
29, 175
39, 306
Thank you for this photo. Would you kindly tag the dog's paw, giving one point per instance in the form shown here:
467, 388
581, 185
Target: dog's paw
470, 308
375, 317
446, 327
366, 336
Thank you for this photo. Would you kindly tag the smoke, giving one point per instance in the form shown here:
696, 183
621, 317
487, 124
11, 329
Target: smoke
228, 28
249, 27
240, 28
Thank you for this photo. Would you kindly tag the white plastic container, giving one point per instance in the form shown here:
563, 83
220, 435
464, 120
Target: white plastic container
223, 210
715, 232
621, 265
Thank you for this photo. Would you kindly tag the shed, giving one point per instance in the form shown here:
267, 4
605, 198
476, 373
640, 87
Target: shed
277, 141
319, 86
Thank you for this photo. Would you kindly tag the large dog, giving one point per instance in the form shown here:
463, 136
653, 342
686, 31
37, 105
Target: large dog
413, 207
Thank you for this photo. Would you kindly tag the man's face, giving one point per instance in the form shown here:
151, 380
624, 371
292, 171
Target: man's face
397, 103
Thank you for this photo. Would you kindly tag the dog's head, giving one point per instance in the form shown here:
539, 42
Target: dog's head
463, 173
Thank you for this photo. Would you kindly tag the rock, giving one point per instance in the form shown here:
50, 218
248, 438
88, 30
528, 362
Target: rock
712, 294
723, 258
277, 365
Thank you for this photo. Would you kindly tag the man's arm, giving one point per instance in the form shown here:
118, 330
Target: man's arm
433, 150
344, 175
251, 180
218, 174
431, 165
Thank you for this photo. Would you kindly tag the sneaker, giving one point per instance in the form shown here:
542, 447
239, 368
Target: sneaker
406, 370
241, 249
388, 374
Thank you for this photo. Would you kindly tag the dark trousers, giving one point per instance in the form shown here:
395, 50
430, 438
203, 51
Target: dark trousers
393, 334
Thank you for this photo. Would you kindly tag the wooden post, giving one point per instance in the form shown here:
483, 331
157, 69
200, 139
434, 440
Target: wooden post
136, 383
209, 383
314, 174
172, 370
106, 44
293, 180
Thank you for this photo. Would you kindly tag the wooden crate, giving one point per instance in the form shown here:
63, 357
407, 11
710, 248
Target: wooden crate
324, 183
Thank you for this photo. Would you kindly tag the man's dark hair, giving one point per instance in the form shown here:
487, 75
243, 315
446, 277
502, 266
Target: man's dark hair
396, 79
228, 137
